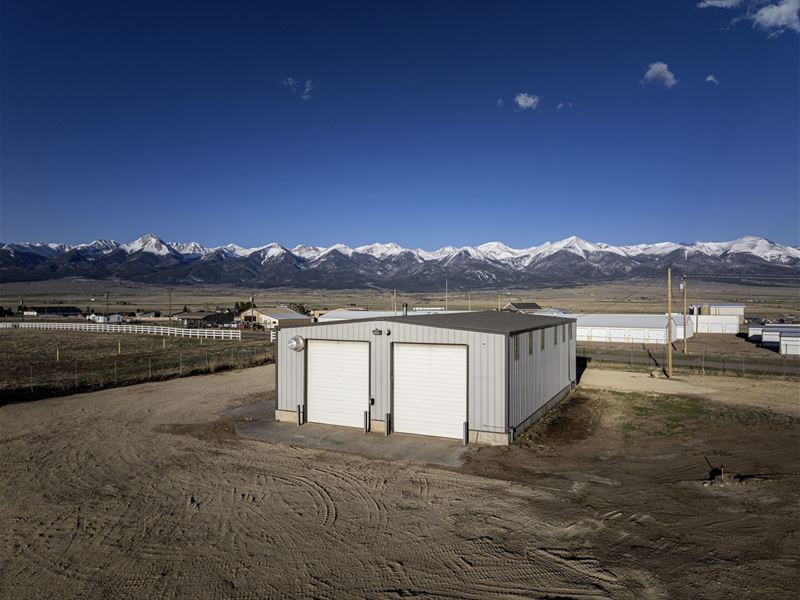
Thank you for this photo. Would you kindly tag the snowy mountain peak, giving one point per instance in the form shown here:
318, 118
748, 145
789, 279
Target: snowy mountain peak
270, 252
189, 248
97, 246
498, 251
149, 243
307, 252
381, 250
340, 248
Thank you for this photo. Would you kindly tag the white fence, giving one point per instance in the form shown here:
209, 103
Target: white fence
215, 334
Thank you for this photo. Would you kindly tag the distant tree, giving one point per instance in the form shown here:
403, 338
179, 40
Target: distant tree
236, 306
185, 308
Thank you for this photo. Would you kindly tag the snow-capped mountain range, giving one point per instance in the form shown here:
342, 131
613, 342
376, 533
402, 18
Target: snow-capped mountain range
573, 259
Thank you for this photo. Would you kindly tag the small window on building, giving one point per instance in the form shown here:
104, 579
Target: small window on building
530, 342
516, 347
541, 347
563, 333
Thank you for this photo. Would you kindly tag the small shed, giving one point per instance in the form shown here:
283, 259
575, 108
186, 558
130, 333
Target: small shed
479, 377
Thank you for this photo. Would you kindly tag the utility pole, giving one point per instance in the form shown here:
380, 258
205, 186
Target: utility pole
669, 323
445, 294
469, 300
685, 310
107, 319
170, 306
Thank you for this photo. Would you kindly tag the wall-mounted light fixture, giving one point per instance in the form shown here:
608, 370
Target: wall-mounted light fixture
377, 332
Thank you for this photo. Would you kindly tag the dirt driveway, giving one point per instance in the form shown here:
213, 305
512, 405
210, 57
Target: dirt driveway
146, 492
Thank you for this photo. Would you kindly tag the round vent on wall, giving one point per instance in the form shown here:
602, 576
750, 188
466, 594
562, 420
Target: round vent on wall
296, 343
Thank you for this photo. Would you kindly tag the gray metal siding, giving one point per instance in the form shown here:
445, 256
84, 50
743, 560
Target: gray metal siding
535, 378
486, 365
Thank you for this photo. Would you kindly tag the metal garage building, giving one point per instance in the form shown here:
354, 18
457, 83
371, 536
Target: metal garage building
715, 323
772, 334
630, 328
720, 308
479, 376
790, 342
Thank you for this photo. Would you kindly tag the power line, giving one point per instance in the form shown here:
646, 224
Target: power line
621, 299
778, 277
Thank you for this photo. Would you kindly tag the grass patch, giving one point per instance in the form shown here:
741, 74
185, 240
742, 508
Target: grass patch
655, 415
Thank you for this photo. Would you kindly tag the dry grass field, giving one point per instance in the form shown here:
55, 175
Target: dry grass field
638, 295
40, 363
147, 491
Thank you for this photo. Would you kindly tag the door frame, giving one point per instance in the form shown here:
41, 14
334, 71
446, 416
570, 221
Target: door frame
305, 373
392, 380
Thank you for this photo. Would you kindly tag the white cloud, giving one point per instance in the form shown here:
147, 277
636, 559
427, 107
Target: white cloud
719, 3
526, 101
712, 79
305, 89
772, 16
563, 105
777, 18
500, 102
308, 87
658, 72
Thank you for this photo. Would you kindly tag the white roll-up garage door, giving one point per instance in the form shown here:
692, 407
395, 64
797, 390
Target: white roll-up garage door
430, 389
338, 382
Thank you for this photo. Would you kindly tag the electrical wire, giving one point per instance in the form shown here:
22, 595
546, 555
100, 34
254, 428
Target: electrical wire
651, 282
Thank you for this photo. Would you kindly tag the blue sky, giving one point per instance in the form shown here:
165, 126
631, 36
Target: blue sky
424, 123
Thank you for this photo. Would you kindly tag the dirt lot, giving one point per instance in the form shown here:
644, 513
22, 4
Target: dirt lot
146, 492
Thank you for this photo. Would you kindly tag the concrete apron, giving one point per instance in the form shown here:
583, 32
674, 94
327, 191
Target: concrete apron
486, 438
280, 426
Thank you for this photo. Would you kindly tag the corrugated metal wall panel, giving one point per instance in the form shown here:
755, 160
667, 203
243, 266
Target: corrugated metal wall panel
486, 365
537, 377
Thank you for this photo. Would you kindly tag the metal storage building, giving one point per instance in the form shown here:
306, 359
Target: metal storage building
790, 342
771, 335
479, 376
720, 308
630, 328
715, 323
